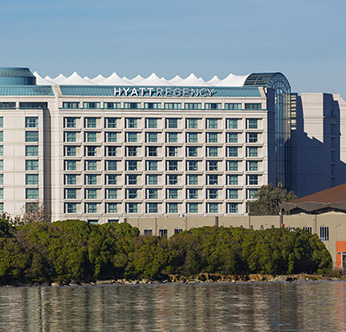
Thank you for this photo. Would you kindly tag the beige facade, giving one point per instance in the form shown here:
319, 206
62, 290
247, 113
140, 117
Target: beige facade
330, 227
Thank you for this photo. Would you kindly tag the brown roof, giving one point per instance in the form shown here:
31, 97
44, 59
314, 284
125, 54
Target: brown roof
334, 194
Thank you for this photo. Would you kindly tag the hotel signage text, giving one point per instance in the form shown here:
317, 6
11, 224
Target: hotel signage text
163, 92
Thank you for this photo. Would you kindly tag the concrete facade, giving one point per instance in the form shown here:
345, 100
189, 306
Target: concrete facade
330, 227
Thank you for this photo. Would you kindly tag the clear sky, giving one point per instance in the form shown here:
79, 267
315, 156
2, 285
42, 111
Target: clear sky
303, 39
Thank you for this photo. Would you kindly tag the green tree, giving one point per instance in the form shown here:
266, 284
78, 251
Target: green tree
268, 199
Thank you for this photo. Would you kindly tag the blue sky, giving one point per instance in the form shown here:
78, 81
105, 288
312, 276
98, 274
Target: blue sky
305, 40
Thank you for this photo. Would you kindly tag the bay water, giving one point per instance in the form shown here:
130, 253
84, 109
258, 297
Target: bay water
263, 306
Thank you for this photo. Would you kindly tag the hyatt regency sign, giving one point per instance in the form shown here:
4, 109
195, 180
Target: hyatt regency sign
163, 92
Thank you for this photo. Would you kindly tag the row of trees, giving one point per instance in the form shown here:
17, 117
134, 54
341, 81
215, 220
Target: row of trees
64, 251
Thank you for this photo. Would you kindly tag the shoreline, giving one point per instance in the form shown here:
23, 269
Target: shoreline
203, 278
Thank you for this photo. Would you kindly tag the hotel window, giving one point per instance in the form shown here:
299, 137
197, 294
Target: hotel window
1, 120
112, 105
32, 150
31, 165
2, 150
253, 106
232, 151
69, 179
192, 179
2, 179
111, 137
132, 193
31, 193
112, 208
32, 179
152, 193
152, 137
7, 105
212, 123
132, 122
91, 179
111, 122
133, 106
152, 165
324, 233
112, 193
31, 136
253, 166
232, 106
232, 193
148, 232
192, 165
192, 193
212, 106
112, 165
177, 230
71, 208
252, 123
111, 151
71, 193
91, 105
1, 165
92, 193
152, 106
308, 229
212, 137
252, 193
172, 193
212, 151
172, 179
193, 106
233, 180
163, 232
253, 152
91, 207
192, 207
173, 106
132, 165
70, 122
31, 122
192, 123
172, 123
253, 179
232, 207
132, 137
212, 165
70, 136
232, 123
213, 207
90, 122
152, 179
192, 137
252, 138
151, 122
153, 208
172, 165
172, 137
233, 165
192, 151
70, 151
91, 136
172, 207
213, 193
111, 179
90, 151
152, 151
212, 179
1, 136
132, 207
91, 165
232, 137
172, 151
71, 105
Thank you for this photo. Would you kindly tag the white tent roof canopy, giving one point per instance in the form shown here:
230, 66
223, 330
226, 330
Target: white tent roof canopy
152, 80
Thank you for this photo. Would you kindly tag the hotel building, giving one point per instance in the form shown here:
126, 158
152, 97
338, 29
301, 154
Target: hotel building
107, 149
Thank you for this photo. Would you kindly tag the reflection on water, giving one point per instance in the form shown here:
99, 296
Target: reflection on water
310, 306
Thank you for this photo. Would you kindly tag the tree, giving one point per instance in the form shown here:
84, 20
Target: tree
268, 199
